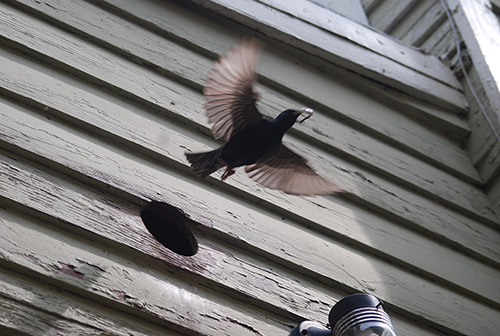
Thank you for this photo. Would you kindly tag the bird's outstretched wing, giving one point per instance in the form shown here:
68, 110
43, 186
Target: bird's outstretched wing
229, 98
284, 170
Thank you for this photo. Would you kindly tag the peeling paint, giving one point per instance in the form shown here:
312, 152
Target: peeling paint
70, 270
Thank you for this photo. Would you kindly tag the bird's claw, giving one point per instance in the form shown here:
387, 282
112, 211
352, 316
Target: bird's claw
255, 96
227, 173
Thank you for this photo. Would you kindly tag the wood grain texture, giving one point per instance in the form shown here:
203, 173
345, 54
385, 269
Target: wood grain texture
483, 146
186, 65
370, 5
120, 224
31, 308
388, 14
475, 25
183, 106
167, 142
445, 122
449, 266
55, 304
136, 79
150, 292
113, 221
441, 42
275, 238
332, 49
100, 99
120, 227
434, 17
368, 38
18, 319
411, 18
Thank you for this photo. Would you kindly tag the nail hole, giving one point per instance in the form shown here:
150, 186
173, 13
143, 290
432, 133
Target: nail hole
168, 225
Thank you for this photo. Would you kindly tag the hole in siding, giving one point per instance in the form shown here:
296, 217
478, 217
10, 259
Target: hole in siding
168, 225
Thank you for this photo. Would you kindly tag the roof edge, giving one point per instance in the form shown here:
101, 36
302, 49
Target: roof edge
349, 45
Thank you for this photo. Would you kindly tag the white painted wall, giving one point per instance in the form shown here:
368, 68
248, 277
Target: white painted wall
98, 104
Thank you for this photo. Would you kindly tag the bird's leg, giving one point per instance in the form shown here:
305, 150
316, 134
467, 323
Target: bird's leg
255, 96
228, 172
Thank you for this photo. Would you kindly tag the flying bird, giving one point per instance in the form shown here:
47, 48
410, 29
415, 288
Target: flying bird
250, 139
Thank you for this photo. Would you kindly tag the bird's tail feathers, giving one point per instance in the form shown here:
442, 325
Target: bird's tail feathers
204, 164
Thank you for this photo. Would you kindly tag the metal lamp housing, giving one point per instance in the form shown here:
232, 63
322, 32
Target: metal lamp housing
355, 315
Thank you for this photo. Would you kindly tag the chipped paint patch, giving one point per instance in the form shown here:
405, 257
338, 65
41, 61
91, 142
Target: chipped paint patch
70, 270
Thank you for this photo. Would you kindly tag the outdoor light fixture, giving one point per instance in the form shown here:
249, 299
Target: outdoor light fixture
355, 315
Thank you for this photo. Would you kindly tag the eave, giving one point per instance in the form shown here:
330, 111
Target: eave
345, 43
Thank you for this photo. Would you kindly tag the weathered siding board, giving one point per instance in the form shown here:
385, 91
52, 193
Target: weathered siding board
377, 154
184, 106
17, 318
97, 106
448, 264
493, 192
420, 31
302, 254
411, 18
303, 297
328, 47
483, 146
156, 293
171, 57
169, 140
368, 38
40, 98
441, 42
389, 13
438, 38
271, 239
435, 118
28, 307
423, 26
351, 9
118, 225
370, 5
445, 268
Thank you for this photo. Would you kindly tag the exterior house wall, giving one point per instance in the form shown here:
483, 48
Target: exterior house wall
99, 101
425, 25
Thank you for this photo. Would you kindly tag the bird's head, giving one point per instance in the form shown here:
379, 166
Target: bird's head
288, 117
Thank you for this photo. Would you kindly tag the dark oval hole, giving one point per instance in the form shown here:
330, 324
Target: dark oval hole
168, 225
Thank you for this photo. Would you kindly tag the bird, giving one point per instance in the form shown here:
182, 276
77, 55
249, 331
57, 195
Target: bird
250, 139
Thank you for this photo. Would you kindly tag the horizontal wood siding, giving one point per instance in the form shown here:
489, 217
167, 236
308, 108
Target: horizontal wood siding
99, 100
338, 49
427, 26
412, 22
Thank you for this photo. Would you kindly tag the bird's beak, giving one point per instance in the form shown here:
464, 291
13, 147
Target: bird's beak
307, 111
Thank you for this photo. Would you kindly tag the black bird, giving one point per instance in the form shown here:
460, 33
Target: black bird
251, 140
